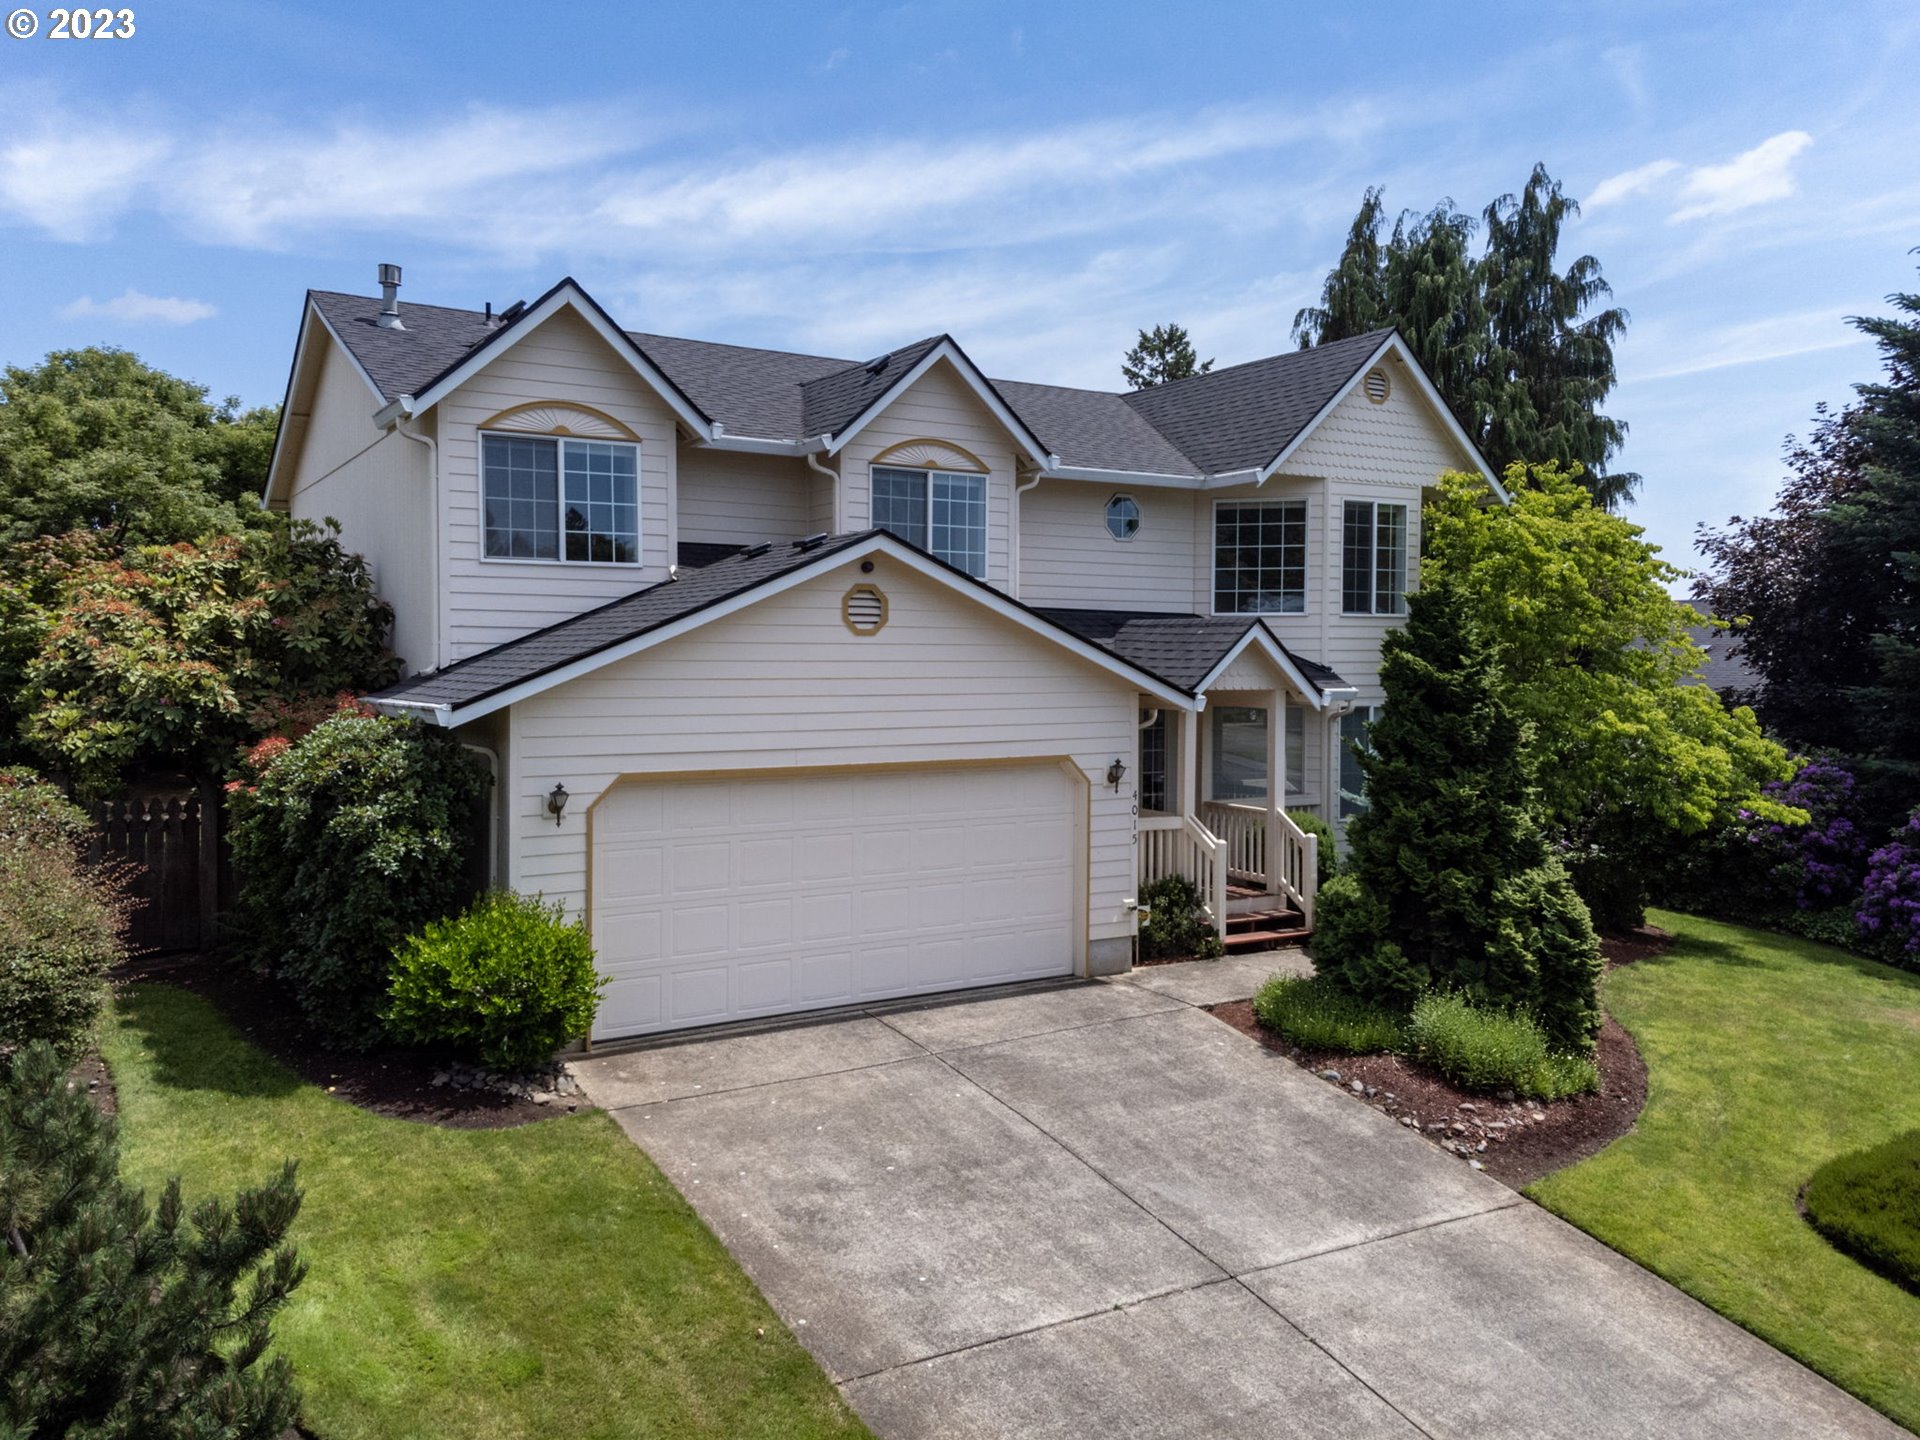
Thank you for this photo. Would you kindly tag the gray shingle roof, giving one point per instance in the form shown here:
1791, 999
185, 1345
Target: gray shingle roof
532, 656
1229, 419
1241, 417
1180, 649
832, 402
1725, 668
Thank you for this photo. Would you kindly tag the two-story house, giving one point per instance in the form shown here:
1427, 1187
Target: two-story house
810, 681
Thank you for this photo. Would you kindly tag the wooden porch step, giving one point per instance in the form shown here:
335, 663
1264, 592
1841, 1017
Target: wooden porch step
1248, 940
1275, 918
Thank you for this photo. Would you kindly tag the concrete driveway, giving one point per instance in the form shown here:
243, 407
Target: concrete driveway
1092, 1209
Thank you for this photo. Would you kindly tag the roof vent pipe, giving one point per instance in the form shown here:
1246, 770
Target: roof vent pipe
389, 317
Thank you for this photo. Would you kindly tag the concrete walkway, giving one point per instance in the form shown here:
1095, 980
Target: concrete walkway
1091, 1209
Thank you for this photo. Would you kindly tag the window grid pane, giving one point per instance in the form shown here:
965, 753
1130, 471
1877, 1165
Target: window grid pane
602, 511
1357, 559
520, 497
1390, 559
1353, 779
1239, 752
958, 529
1260, 558
900, 503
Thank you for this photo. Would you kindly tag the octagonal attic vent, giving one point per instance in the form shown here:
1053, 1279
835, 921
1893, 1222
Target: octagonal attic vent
1378, 385
864, 609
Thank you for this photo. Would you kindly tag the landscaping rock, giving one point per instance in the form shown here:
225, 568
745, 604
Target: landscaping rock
1333, 1075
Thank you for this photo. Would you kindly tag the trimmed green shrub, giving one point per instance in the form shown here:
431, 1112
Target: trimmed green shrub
1176, 924
510, 980
117, 1319
1482, 1048
352, 838
1329, 851
1868, 1204
62, 922
1449, 884
1322, 1016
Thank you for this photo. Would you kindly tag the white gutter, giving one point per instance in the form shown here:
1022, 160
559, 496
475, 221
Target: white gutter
421, 710
438, 504
1122, 477
761, 444
812, 457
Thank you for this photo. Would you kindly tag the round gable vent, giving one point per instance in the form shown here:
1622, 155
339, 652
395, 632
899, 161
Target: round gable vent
864, 609
1378, 385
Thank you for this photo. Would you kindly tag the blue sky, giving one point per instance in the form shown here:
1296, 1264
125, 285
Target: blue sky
1039, 180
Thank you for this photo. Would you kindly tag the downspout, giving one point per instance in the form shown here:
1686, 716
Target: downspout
1013, 537
839, 491
401, 424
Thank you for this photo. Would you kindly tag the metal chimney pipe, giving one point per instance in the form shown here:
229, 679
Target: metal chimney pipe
389, 317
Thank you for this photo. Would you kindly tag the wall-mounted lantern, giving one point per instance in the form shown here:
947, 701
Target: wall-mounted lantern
1116, 772
557, 802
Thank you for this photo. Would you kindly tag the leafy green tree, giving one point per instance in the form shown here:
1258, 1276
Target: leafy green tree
1829, 583
1595, 657
1517, 346
181, 654
1161, 354
348, 840
117, 1322
1450, 884
94, 440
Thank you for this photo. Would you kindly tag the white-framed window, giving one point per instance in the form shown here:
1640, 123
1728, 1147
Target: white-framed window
1373, 559
1260, 557
1239, 751
1123, 517
1353, 779
942, 511
546, 498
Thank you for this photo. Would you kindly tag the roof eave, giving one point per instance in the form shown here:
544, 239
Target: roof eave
949, 350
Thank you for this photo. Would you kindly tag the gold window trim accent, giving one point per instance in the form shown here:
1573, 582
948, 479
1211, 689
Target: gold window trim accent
846, 609
931, 455
555, 417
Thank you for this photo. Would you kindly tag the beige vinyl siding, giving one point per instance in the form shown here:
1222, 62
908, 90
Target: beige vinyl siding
937, 406
1067, 558
736, 499
376, 485
1400, 442
784, 683
492, 601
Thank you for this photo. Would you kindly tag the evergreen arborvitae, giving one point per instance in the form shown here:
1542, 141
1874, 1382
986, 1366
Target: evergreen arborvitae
1449, 883
117, 1322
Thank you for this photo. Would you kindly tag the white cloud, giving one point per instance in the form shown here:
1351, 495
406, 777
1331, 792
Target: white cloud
1637, 181
70, 182
135, 307
836, 57
1776, 337
1751, 178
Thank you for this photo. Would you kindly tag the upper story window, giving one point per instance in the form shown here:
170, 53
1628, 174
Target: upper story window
1260, 557
1123, 517
1373, 559
554, 499
942, 511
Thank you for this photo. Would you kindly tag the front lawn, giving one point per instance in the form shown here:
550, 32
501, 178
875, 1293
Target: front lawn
476, 1284
1767, 1057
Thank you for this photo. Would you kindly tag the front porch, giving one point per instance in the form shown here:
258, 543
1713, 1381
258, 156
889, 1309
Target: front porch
1214, 794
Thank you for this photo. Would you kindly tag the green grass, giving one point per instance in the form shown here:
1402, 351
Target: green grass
1868, 1203
1313, 1013
478, 1284
1484, 1049
1767, 1057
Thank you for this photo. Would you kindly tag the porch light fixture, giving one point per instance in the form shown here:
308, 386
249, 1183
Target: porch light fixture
557, 801
1115, 773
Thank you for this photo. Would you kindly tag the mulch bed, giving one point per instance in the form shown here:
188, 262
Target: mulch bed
396, 1083
1515, 1141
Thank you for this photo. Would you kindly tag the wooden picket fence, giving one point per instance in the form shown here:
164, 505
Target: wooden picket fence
179, 870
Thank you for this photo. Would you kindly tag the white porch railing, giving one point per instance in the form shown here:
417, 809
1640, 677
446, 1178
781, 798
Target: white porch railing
1181, 845
1266, 848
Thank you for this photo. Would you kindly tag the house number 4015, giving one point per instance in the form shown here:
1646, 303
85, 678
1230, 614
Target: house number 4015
90, 24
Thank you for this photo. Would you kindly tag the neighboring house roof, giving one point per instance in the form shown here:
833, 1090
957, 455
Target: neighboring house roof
1725, 669
473, 686
1242, 418
1183, 650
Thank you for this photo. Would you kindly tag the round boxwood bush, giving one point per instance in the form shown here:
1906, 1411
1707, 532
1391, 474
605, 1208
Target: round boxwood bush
1868, 1204
1176, 925
509, 981
351, 839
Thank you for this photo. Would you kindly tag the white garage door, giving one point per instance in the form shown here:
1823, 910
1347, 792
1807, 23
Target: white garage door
722, 899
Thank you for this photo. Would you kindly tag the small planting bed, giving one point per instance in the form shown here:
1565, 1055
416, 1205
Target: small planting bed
1515, 1139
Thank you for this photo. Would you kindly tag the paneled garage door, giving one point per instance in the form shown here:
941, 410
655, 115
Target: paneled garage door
723, 899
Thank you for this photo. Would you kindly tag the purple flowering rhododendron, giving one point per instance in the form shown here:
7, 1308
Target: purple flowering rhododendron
1890, 900
1819, 863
